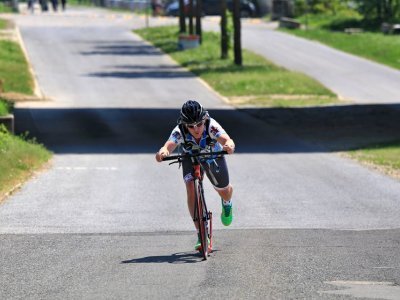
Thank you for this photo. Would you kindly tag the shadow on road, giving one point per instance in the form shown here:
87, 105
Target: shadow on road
126, 48
176, 258
255, 130
338, 127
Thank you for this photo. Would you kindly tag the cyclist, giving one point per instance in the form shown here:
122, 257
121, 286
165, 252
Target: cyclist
198, 132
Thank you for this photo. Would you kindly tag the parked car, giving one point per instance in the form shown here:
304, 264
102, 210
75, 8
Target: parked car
213, 8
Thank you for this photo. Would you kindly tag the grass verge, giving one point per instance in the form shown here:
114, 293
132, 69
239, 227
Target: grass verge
377, 47
386, 156
5, 108
293, 102
80, 2
5, 8
377, 143
19, 159
258, 82
3, 24
14, 72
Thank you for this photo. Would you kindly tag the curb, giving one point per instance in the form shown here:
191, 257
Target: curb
37, 91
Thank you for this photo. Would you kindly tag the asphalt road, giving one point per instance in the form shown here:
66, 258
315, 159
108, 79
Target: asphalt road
105, 221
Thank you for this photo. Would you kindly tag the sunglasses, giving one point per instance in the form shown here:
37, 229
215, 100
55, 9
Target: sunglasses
196, 125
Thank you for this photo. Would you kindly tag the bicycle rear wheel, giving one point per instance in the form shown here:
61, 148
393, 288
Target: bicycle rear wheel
202, 219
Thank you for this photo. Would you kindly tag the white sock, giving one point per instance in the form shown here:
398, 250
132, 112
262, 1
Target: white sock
227, 202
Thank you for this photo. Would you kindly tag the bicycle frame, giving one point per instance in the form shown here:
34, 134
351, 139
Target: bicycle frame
201, 214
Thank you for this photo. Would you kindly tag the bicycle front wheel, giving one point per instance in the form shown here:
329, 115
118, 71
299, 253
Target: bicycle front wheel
202, 219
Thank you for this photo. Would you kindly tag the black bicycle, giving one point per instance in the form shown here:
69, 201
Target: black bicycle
202, 215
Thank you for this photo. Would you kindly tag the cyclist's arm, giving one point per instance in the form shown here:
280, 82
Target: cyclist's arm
165, 150
227, 143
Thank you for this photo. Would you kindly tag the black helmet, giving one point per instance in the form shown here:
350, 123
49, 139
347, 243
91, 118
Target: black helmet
192, 112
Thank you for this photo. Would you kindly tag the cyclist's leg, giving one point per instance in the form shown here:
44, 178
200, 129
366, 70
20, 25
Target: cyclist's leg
218, 174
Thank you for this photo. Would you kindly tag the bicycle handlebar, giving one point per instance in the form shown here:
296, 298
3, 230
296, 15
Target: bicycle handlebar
188, 155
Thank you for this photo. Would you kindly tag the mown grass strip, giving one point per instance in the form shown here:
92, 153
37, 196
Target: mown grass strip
14, 72
3, 24
19, 159
5, 8
386, 155
257, 77
4, 108
384, 49
260, 83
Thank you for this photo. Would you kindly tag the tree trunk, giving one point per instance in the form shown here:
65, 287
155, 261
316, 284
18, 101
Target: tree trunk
199, 11
182, 22
190, 13
236, 36
224, 31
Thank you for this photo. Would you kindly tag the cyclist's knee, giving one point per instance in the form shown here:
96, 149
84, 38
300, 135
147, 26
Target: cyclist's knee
224, 191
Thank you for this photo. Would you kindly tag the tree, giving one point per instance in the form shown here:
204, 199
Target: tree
380, 10
237, 43
190, 14
199, 11
182, 22
224, 31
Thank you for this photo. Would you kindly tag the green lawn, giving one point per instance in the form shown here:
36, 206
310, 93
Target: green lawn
14, 71
3, 24
371, 43
4, 8
378, 47
386, 155
261, 83
19, 158
4, 108
258, 82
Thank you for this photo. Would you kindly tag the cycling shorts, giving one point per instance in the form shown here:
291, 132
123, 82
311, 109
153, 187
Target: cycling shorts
216, 171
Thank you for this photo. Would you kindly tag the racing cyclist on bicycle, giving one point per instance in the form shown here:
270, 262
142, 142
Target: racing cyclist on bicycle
197, 131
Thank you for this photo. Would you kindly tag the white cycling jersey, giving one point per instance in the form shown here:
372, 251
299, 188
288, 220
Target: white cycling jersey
214, 130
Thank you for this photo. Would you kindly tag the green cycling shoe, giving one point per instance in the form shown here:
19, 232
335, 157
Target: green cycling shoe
197, 247
226, 215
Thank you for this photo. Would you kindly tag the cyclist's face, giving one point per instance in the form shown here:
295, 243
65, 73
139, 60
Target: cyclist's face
196, 130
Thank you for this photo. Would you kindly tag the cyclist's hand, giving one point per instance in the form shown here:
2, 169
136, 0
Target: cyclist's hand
229, 146
161, 154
